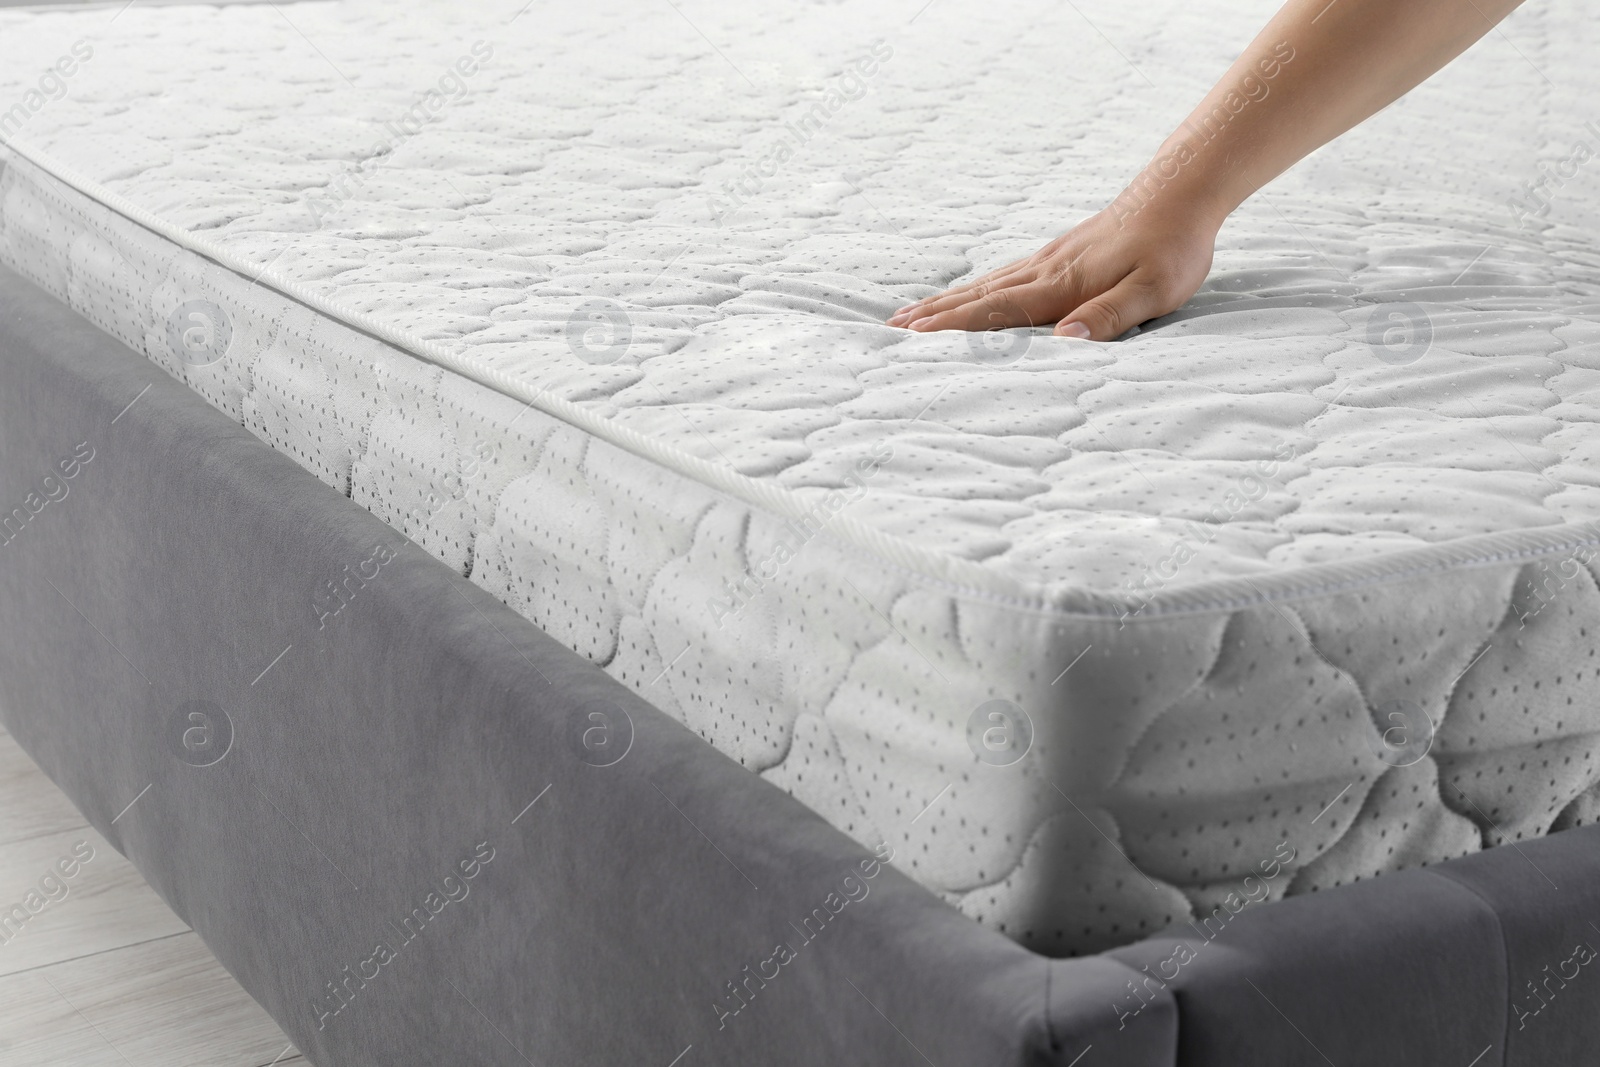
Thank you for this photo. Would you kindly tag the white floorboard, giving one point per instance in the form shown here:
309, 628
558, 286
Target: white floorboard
30, 804
106, 974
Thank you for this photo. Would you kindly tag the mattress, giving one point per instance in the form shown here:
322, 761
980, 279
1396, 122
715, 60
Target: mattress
1431, 960
1289, 589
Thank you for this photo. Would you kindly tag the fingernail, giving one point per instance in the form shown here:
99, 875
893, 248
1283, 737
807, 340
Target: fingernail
897, 318
1073, 329
919, 322
907, 308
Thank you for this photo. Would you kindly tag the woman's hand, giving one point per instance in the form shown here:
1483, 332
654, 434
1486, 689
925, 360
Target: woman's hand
1129, 263
1316, 70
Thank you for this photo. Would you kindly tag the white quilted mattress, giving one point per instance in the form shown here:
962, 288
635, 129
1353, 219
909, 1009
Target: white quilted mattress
587, 301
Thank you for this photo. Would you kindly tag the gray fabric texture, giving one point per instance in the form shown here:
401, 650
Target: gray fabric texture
1545, 897
1406, 969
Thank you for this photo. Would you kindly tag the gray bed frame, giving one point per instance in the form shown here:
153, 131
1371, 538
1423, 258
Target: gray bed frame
421, 832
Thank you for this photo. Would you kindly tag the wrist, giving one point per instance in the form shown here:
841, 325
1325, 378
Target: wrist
1170, 205
1181, 185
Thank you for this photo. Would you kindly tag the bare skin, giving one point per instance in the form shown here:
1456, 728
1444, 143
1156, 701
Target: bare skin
1315, 71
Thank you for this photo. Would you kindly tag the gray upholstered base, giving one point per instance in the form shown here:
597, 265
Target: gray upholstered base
372, 752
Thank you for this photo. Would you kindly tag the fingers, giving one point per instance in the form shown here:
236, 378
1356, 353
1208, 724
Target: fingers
996, 274
921, 308
1090, 297
954, 298
951, 298
1023, 299
1027, 303
1113, 313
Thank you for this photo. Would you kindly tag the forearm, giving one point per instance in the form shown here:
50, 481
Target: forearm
1316, 70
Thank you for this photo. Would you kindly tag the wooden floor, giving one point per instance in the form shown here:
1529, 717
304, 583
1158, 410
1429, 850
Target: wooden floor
107, 976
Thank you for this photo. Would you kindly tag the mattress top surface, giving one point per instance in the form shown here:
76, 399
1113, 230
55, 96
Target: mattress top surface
689, 220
